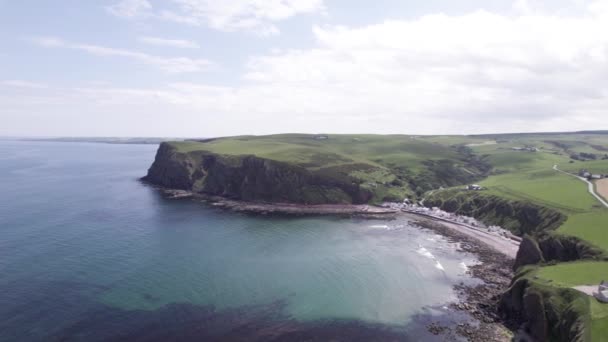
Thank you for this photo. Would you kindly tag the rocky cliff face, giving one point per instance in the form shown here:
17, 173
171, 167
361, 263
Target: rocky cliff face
519, 217
555, 247
249, 178
547, 313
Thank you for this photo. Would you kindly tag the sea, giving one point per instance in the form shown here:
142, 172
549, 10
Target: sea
88, 252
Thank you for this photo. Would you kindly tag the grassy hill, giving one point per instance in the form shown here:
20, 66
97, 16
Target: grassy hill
528, 177
391, 167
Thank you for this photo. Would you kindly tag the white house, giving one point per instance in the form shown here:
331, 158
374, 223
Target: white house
602, 292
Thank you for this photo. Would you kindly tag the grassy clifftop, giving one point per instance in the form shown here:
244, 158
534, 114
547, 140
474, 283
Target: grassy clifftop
388, 167
522, 176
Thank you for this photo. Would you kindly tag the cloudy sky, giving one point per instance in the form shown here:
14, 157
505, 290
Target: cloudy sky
211, 68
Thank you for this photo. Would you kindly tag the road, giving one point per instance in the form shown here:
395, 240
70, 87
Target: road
591, 187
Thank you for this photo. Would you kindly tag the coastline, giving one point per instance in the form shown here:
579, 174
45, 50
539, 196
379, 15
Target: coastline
480, 302
507, 245
290, 209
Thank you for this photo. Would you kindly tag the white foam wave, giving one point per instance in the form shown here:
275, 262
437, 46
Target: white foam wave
380, 226
426, 253
439, 266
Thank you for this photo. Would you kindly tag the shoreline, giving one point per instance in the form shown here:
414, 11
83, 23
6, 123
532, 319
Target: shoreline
290, 209
478, 301
494, 252
507, 245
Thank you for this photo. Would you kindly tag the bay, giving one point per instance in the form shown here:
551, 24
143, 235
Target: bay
88, 252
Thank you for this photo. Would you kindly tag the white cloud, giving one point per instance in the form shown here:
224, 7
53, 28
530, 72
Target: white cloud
522, 6
176, 43
48, 41
168, 64
454, 71
130, 8
256, 16
23, 84
473, 73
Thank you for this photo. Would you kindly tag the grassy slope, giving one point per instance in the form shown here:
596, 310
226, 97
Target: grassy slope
376, 150
529, 176
383, 163
582, 273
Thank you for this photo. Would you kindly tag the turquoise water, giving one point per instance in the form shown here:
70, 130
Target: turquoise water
87, 252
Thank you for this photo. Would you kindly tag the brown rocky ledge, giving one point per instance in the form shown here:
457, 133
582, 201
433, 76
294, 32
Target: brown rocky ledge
358, 210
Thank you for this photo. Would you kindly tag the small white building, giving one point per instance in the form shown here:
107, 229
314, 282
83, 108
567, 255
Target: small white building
474, 187
584, 173
602, 292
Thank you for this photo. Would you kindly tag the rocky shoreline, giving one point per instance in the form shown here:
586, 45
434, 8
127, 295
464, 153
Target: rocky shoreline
291, 209
480, 302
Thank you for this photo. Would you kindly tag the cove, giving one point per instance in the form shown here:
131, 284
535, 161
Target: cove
87, 252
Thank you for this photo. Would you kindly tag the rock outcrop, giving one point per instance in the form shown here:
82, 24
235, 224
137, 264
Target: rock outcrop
528, 253
554, 247
249, 178
547, 313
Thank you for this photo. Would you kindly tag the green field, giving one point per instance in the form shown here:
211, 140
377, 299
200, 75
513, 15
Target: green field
306, 151
595, 166
582, 273
528, 176
570, 274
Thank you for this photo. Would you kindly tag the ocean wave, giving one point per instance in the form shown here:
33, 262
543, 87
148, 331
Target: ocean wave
426, 253
380, 226
438, 265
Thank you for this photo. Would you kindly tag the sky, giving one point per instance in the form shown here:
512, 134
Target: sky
206, 68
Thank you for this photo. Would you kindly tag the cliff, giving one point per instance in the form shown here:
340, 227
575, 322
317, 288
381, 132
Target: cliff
517, 216
547, 313
555, 247
250, 178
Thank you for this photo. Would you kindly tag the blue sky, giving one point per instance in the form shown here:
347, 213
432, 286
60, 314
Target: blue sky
210, 68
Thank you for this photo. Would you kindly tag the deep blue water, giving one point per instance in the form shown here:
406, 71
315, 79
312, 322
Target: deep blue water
88, 253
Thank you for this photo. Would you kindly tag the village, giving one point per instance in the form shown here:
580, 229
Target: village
438, 214
526, 149
590, 176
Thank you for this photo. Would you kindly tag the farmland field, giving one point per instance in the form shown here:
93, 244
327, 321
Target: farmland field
602, 187
529, 177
